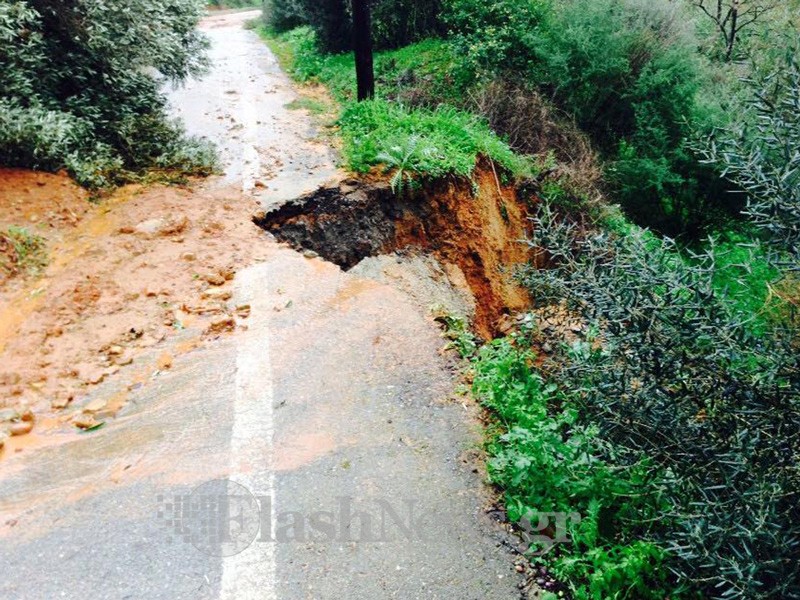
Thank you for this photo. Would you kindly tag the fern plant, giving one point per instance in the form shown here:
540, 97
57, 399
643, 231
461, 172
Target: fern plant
404, 159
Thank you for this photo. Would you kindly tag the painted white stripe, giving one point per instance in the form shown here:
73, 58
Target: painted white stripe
251, 574
251, 161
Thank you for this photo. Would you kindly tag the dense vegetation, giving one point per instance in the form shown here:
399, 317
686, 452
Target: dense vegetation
667, 413
80, 86
761, 156
627, 73
419, 142
233, 4
395, 23
672, 372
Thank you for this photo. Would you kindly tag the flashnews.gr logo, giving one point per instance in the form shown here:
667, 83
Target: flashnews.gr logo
223, 518
539, 538
219, 518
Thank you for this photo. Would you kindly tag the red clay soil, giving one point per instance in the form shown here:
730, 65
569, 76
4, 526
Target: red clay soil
481, 230
145, 266
42, 204
123, 276
484, 234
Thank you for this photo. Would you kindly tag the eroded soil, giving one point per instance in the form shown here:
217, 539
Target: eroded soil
478, 235
124, 277
335, 385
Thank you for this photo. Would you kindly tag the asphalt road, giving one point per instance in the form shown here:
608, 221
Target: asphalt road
318, 453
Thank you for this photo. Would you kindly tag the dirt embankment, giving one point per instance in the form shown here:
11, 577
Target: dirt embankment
35, 210
481, 230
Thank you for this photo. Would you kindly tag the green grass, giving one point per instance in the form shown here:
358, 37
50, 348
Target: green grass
744, 276
439, 142
21, 251
315, 107
415, 143
429, 61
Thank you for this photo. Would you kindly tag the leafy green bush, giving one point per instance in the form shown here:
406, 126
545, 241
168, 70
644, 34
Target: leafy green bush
492, 37
395, 23
680, 378
627, 72
332, 23
745, 276
80, 85
547, 461
281, 16
51, 140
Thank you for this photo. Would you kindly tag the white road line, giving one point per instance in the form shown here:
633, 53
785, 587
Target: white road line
252, 573
251, 161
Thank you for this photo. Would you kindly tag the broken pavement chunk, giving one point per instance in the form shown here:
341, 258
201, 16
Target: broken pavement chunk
85, 421
221, 323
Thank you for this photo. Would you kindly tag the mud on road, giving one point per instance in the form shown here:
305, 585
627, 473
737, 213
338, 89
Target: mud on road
126, 277
208, 349
149, 265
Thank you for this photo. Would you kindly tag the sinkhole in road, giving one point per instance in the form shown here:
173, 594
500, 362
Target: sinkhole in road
481, 227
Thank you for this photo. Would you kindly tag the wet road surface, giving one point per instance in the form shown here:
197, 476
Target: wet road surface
331, 409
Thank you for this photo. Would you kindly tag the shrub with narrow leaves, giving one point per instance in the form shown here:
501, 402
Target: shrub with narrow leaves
763, 159
680, 377
80, 85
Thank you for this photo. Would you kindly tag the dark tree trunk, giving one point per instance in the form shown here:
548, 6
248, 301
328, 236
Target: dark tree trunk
734, 16
362, 42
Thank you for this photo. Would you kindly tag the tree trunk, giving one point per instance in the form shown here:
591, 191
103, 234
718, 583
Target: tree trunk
733, 30
365, 75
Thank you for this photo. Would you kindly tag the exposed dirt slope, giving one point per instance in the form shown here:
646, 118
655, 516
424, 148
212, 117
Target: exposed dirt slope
482, 231
41, 206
